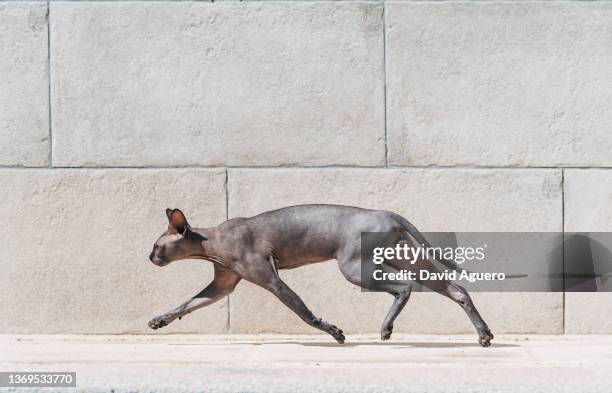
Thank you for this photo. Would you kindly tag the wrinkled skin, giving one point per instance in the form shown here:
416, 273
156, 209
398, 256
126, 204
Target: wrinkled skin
255, 249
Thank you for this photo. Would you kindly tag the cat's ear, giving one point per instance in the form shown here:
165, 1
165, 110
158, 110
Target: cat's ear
177, 223
168, 213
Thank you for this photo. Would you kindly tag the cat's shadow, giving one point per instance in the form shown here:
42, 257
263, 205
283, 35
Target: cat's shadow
399, 344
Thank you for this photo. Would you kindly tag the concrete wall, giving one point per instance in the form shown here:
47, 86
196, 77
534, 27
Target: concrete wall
461, 116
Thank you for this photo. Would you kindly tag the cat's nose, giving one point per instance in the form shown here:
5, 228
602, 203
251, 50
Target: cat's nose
151, 256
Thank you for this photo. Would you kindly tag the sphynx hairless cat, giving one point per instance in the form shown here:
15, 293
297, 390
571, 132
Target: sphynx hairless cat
255, 248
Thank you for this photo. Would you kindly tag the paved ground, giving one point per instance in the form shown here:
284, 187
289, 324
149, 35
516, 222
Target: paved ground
200, 363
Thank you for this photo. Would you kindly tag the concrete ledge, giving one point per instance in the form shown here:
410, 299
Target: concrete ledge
408, 363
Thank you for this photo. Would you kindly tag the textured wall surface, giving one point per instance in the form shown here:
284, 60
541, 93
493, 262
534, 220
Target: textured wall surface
499, 83
459, 115
221, 84
588, 208
24, 93
76, 244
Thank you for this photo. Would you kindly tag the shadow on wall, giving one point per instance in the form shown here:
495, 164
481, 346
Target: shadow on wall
588, 262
